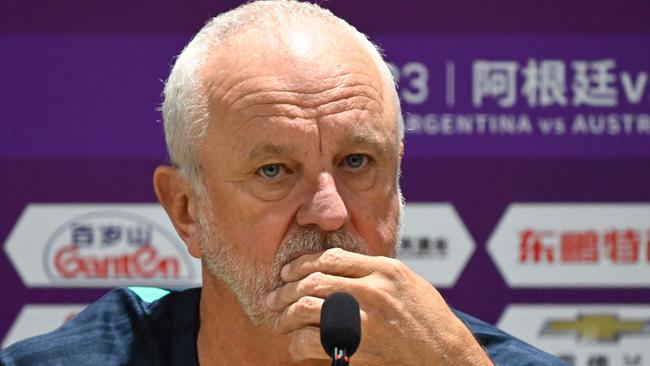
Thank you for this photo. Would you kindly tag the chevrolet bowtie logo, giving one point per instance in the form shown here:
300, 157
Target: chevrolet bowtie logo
597, 328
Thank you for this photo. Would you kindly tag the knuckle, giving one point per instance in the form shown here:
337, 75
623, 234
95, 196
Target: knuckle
314, 281
298, 309
380, 292
294, 347
305, 306
332, 256
396, 270
299, 342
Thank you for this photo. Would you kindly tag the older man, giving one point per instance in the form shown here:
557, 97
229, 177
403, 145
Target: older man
284, 129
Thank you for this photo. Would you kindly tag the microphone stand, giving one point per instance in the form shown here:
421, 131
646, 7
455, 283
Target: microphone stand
340, 357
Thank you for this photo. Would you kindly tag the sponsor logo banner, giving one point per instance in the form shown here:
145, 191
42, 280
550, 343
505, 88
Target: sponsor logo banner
39, 319
573, 245
108, 245
99, 245
589, 335
435, 243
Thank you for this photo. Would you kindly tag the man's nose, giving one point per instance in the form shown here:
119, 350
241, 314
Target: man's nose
325, 208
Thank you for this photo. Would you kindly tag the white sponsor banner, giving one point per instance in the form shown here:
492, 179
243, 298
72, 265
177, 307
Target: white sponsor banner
584, 335
99, 245
39, 319
435, 243
109, 245
573, 245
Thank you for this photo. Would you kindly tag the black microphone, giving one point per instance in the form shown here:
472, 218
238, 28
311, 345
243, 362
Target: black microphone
340, 327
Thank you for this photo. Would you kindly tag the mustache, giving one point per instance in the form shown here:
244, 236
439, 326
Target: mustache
308, 240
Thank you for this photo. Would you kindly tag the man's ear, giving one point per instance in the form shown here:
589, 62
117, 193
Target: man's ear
176, 196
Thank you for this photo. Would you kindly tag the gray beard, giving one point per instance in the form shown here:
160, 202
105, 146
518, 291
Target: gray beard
251, 284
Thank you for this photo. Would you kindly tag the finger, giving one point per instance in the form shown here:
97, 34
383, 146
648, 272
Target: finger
302, 313
305, 344
335, 261
316, 284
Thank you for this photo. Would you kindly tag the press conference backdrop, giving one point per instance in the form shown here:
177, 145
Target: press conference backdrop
526, 174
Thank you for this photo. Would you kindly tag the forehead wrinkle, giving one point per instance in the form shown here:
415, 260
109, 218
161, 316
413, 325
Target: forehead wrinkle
265, 149
354, 103
272, 112
239, 87
297, 95
292, 105
290, 111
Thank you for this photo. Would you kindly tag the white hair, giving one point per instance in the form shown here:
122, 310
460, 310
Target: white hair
185, 105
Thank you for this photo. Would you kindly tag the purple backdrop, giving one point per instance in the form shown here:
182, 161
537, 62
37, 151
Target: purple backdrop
80, 83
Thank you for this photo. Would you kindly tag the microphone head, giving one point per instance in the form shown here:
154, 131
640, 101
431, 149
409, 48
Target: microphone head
340, 323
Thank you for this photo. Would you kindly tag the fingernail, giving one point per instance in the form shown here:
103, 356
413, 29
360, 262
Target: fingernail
270, 298
285, 271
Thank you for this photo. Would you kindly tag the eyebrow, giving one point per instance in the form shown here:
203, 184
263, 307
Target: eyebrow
370, 140
381, 146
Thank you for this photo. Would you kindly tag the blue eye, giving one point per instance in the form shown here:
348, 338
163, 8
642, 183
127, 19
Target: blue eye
270, 171
355, 160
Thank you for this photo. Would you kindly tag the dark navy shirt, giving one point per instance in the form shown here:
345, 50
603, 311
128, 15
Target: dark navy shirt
122, 328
